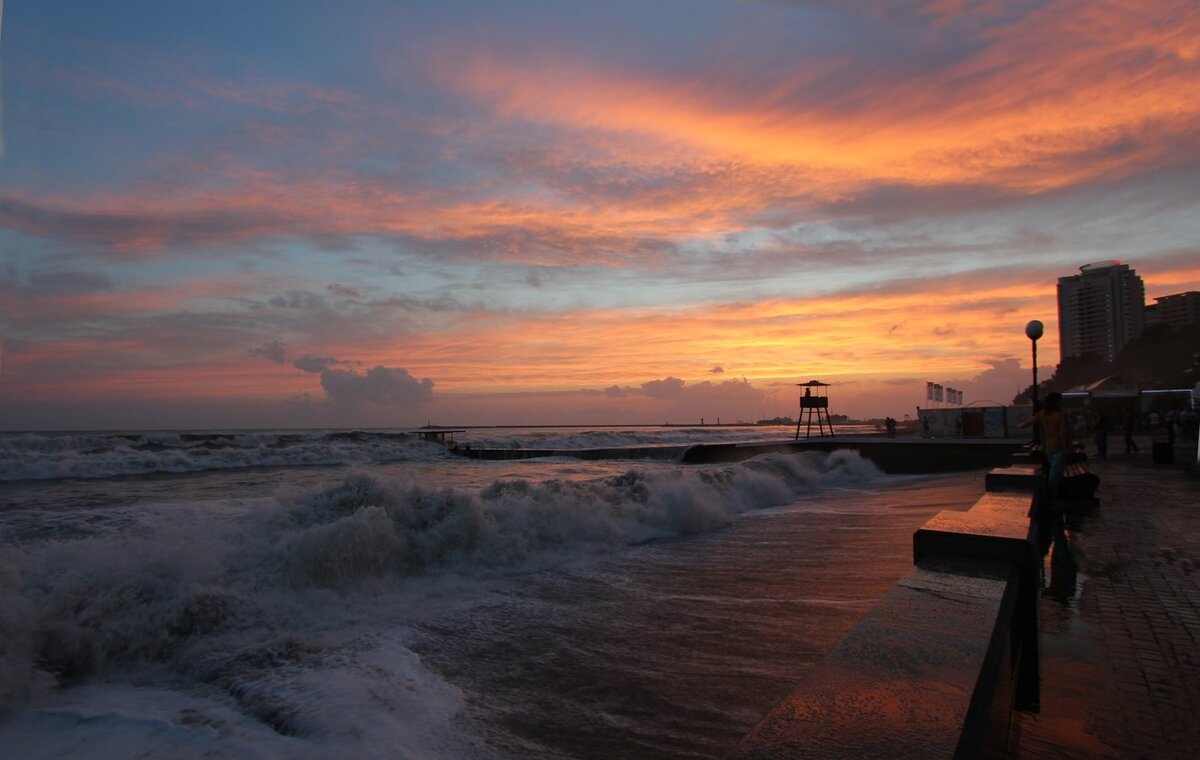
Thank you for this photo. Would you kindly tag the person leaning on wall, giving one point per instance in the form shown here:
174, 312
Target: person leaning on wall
1056, 438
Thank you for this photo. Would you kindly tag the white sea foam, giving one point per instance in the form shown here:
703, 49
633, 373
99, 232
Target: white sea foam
184, 636
44, 456
366, 527
286, 619
373, 699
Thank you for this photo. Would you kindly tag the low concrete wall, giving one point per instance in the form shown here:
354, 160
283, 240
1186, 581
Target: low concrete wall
892, 455
939, 664
621, 452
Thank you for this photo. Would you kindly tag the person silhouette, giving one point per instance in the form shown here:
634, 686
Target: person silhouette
1131, 446
1101, 437
1056, 438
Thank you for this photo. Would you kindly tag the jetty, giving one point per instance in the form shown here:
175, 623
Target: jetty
892, 455
442, 435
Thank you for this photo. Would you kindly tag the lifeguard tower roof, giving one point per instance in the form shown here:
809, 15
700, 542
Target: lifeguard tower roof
813, 384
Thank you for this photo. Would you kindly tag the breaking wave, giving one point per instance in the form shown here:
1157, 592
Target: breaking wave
43, 456
367, 527
293, 590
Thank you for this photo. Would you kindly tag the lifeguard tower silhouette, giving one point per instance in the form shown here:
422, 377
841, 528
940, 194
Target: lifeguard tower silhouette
814, 402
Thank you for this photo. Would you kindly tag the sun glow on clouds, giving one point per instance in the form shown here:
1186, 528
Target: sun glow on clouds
529, 211
1039, 107
920, 330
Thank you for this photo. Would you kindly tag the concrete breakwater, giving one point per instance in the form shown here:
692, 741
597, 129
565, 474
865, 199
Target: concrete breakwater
892, 455
670, 452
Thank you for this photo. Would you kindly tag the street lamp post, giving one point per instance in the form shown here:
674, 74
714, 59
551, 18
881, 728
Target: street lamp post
1033, 331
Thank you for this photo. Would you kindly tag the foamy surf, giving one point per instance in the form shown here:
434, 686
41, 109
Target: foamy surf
42, 456
279, 626
370, 698
183, 636
366, 527
45, 456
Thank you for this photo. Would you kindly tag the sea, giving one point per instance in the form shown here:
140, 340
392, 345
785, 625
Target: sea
363, 593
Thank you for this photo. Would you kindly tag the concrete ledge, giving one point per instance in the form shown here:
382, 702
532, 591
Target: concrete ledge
1000, 526
997, 527
900, 685
937, 667
1023, 478
1026, 457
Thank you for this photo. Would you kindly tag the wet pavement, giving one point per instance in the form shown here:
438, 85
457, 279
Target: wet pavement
1120, 619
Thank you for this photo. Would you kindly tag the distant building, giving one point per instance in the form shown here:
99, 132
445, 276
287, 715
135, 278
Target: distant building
1180, 310
1100, 309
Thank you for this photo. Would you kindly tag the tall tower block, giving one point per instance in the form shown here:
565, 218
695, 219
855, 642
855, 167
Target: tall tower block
1100, 309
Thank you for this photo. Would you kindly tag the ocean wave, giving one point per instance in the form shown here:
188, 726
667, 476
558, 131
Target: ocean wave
202, 611
139, 590
48, 456
45, 456
230, 602
367, 527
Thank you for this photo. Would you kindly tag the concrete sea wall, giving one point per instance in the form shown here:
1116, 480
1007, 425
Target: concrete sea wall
892, 455
938, 666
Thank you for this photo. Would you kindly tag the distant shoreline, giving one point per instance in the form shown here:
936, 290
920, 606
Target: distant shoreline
409, 428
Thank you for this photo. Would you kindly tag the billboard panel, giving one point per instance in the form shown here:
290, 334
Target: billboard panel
993, 422
937, 423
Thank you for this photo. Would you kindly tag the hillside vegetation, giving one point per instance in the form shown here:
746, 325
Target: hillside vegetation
1163, 356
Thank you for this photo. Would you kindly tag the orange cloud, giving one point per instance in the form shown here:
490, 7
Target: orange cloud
1170, 281
33, 309
1064, 94
951, 326
532, 229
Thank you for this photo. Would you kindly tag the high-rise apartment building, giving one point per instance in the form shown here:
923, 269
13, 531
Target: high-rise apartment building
1180, 310
1100, 309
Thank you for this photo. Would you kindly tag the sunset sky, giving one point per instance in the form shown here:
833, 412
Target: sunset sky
231, 214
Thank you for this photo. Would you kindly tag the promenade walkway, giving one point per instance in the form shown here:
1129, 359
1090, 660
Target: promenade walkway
1121, 628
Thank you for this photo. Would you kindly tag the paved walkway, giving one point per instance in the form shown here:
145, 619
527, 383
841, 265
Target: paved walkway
1121, 623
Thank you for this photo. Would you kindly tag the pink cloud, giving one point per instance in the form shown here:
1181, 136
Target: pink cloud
1059, 95
34, 310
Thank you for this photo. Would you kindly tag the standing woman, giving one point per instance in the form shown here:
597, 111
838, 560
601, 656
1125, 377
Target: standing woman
1130, 446
1101, 436
1056, 437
